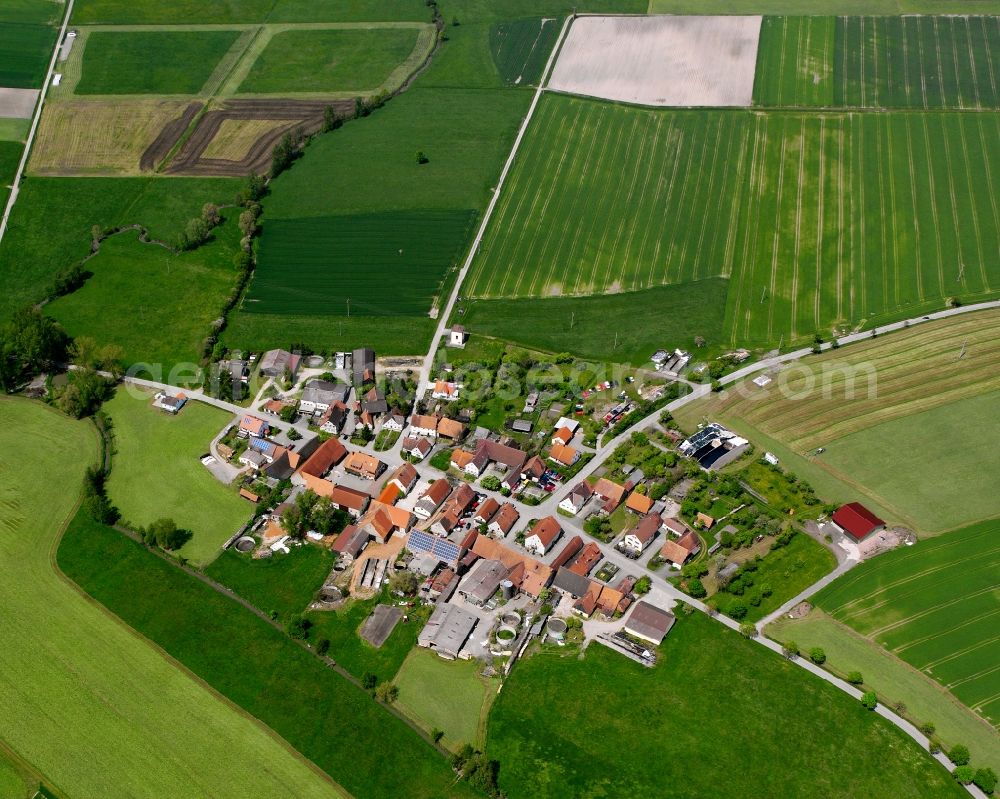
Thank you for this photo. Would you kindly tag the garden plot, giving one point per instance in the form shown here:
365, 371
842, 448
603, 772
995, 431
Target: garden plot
661, 61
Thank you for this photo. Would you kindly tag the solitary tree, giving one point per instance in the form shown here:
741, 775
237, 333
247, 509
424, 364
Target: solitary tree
817, 655
696, 588
790, 649
964, 774
855, 678
870, 700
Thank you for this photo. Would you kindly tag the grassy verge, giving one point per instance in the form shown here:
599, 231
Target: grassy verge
327, 718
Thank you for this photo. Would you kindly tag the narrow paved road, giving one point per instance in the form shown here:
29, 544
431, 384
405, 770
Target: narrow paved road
802, 596
22, 164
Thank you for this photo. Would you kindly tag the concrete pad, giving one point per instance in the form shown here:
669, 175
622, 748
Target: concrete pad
17, 103
661, 61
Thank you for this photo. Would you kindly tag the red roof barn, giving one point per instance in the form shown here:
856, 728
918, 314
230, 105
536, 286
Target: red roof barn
857, 521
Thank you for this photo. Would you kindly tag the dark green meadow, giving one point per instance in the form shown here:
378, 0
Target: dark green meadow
521, 48
389, 264
25, 50
718, 716
179, 12
324, 716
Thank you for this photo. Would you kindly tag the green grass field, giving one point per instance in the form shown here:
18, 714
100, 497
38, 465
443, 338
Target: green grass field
812, 217
558, 730
934, 605
806, 7
389, 264
25, 51
39, 12
950, 483
607, 326
795, 62
894, 681
399, 335
14, 129
180, 12
151, 62
10, 156
284, 584
86, 702
159, 306
324, 716
446, 695
356, 655
342, 60
787, 571
918, 62
521, 48
51, 227
157, 473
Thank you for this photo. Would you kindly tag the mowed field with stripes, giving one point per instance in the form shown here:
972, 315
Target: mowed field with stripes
819, 220
936, 606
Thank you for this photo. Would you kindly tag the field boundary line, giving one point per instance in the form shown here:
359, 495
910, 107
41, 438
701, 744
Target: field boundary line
15, 186
917, 250
932, 195
797, 246
487, 215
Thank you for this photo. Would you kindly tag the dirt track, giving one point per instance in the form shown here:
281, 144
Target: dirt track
167, 138
304, 114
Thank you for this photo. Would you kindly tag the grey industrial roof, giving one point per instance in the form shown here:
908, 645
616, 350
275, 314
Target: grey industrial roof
649, 622
448, 628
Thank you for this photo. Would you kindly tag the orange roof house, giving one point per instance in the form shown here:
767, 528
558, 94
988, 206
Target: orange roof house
461, 458
610, 492
564, 455
639, 503
562, 436
543, 535
363, 465
449, 428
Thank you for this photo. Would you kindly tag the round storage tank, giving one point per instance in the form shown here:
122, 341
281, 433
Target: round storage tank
507, 587
556, 628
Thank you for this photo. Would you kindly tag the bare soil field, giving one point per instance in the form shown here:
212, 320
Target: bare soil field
17, 103
661, 61
192, 159
81, 137
168, 137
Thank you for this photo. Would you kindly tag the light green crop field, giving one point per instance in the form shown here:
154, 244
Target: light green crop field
819, 220
918, 62
151, 62
14, 129
714, 697
41, 12
894, 681
353, 59
795, 62
933, 390
157, 305
88, 703
935, 605
157, 472
879, 62
446, 695
951, 483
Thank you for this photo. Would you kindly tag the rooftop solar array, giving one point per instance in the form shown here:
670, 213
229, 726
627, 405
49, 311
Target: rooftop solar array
440, 548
